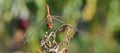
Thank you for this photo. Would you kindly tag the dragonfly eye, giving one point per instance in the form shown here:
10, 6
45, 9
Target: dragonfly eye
50, 25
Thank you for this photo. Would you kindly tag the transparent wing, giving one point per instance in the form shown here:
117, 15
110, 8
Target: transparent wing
41, 28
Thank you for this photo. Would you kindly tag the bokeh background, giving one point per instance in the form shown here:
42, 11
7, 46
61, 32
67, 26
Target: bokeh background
97, 23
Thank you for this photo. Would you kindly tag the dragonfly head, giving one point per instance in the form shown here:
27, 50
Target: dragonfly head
50, 25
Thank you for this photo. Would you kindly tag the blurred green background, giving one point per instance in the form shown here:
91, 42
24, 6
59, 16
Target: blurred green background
97, 23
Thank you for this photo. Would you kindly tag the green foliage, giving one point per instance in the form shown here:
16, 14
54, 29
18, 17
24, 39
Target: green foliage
101, 35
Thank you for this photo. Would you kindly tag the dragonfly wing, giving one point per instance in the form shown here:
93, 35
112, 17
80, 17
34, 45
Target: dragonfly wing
33, 29
58, 19
41, 28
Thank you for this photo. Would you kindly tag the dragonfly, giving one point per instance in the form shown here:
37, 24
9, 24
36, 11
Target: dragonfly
53, 23
49, 18
48, 21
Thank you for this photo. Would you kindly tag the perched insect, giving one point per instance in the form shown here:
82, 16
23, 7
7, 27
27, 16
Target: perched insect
49, 18
49, 42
